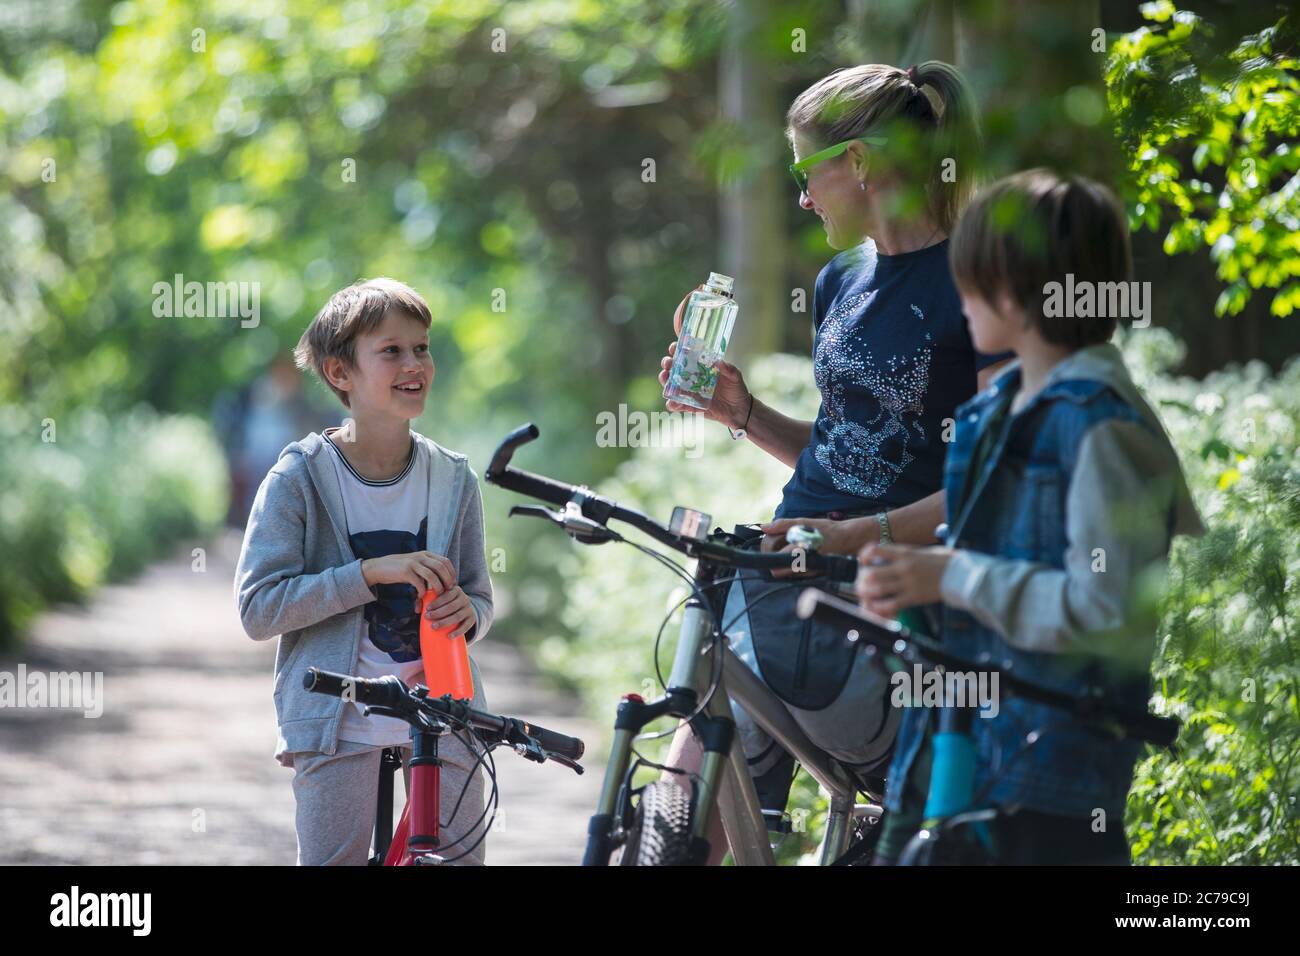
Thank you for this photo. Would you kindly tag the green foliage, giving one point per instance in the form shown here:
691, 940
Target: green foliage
97, 501
302, 145
1209, 119
1226, 662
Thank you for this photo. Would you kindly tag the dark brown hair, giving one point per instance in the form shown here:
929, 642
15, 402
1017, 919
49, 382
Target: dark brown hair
351, 312
1028, 230
928, 104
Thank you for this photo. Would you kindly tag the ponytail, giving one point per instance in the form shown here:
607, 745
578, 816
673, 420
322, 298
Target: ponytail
957, 139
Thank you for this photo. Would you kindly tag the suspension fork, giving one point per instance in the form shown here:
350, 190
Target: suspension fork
681, 699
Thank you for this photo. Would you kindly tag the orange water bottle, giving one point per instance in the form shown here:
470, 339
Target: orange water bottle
446, 659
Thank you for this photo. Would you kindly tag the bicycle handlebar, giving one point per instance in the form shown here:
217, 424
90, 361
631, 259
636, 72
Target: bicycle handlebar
391, 693
600, 510
890, 635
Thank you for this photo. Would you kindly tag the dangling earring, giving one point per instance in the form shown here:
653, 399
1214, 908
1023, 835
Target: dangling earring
862, 184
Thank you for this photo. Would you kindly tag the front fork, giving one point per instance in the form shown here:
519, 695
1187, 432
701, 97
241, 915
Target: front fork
715, 729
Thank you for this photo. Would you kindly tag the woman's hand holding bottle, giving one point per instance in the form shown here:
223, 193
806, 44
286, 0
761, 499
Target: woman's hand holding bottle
731, 397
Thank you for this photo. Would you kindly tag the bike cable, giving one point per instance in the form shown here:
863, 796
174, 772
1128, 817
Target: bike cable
485, 760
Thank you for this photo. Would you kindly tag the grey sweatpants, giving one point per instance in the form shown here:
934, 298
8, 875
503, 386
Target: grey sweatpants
336, 795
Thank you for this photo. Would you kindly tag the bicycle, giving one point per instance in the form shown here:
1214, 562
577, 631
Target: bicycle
659, 824
418, 841
952, 803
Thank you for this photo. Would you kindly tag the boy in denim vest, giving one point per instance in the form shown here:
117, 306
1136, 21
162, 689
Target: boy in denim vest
1062, 490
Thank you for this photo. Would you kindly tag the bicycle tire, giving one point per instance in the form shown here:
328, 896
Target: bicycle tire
661, 830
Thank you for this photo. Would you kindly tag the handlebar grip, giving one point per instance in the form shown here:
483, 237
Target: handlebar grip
383, 692
506, 450
562, 744
323, 682
840, 568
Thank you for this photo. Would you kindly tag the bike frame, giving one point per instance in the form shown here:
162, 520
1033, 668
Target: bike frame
430, 719
724, 778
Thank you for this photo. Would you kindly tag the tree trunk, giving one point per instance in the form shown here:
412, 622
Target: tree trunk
753, 227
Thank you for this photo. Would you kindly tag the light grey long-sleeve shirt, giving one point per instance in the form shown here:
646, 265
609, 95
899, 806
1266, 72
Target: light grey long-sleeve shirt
298, 578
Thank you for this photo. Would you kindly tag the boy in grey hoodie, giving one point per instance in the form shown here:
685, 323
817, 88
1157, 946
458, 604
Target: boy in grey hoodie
1062, 489
348, 530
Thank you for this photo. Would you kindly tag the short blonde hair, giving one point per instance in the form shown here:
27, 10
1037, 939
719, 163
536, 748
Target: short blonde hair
351, 312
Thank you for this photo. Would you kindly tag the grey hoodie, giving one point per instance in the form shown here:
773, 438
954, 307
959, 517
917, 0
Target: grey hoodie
298, 578
1124, 479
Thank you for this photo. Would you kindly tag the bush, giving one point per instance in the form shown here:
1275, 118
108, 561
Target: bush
1225, 661
97, 502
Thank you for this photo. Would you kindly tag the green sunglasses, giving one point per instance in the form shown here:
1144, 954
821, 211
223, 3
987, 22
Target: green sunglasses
800, 169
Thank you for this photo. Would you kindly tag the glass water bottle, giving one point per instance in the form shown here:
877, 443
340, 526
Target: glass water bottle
706, 328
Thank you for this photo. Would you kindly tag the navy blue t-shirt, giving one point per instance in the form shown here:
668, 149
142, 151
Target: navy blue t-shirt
893, 358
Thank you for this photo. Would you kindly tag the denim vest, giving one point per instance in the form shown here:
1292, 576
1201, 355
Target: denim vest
1014, 507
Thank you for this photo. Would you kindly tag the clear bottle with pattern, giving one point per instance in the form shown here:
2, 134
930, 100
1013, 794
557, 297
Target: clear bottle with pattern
707, 323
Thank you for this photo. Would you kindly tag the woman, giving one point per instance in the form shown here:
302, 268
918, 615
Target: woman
884, 157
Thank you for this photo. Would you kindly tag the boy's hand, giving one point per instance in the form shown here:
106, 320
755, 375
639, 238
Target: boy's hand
896, 576
420, 569
452, 607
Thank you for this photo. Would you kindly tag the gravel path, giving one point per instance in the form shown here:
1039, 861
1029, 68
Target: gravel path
178, 769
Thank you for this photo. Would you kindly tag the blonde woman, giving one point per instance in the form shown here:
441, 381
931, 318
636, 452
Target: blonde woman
883, 156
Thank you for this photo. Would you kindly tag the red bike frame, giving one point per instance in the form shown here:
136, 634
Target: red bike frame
419, 839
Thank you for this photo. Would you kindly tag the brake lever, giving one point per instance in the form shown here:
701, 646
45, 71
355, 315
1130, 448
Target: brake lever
574, 523
532, 750
536, 511
566, 762
529, 748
